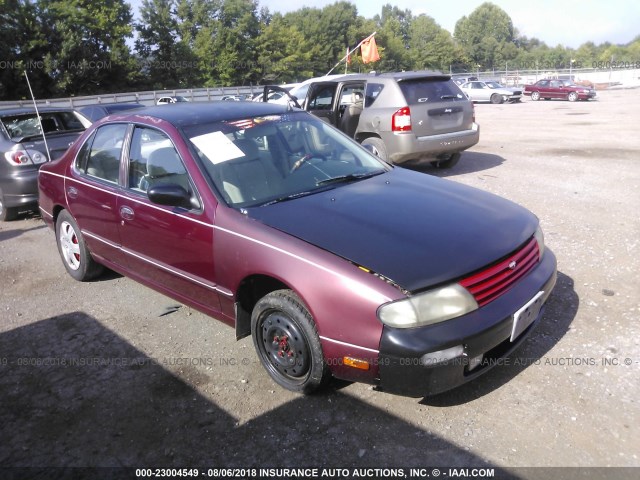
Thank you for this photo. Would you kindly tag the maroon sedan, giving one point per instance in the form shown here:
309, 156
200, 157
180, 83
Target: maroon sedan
563, 89
276, 223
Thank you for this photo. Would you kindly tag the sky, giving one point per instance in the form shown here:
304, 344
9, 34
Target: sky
566, 22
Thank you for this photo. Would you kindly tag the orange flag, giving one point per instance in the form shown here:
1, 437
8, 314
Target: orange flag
370, 51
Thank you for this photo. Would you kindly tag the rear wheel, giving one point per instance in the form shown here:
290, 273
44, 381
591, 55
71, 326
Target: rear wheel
7, 214
73, 249
572, 97
496, 98
447, 160
377, 147
535, 96
287, 342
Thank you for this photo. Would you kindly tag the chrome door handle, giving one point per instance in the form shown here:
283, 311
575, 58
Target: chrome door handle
72, 192
126, 213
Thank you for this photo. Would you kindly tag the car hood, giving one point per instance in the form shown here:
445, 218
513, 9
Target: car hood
414, 229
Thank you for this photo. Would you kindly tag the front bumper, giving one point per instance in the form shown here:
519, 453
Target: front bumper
485, 331
587, 96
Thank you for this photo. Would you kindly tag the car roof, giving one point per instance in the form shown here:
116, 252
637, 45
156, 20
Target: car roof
185, 114
22, 110
111, 107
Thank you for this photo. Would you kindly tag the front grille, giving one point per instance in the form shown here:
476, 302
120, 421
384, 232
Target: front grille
517, 92
490, 283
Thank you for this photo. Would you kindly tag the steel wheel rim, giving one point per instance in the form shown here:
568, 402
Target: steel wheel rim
70, 245
284, 346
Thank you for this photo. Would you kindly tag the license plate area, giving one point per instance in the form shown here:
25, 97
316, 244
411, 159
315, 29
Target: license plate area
526, 315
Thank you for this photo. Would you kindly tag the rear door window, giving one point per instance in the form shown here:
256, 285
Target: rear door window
372, 92
102, 159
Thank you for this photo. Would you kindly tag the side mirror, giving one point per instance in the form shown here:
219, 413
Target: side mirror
170, 195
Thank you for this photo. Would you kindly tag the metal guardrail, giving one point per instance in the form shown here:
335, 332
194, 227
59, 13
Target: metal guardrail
148, 98
620, 75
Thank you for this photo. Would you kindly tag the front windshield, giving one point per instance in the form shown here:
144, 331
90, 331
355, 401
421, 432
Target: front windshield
494, 85
263, 160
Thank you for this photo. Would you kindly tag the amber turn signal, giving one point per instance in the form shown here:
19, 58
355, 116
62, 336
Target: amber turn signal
356, 363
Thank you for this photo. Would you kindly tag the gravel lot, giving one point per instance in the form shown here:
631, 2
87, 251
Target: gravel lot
153, 384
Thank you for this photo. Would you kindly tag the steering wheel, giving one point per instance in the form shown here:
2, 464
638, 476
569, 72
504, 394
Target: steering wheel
305, 159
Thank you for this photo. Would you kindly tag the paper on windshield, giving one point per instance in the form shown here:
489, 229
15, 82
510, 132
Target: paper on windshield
217, 147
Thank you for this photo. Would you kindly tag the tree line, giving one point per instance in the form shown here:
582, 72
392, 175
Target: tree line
83, 47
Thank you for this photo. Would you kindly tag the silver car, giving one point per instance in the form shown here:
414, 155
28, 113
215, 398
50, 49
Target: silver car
401, 117
23, 150
479, 91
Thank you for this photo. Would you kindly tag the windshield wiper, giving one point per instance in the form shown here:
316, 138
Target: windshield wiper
284, 198
447, 97
349, 178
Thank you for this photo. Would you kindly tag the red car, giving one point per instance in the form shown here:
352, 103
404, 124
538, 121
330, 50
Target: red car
275, 222
563, 89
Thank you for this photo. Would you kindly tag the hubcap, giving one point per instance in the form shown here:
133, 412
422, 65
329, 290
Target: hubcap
285, 346
69, 245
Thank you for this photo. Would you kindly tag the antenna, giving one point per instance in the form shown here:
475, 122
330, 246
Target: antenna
46, 145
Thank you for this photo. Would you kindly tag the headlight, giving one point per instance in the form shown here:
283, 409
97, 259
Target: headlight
429, 307
539, 236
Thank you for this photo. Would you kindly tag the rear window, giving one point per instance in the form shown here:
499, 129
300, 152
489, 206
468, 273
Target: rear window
27, 125
430, 91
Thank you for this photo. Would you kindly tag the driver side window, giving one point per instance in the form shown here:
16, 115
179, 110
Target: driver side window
153, 161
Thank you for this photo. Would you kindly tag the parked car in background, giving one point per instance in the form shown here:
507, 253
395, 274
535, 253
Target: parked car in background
168, 100
462, 80
401, 117
558, 89
98, 111
490, 91
335, 262
278, 96
23, 150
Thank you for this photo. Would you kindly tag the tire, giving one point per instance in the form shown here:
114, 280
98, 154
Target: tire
496, 98
447, 161
378, 147
572, 97
7, 214
287, 342
73, 250
535, 96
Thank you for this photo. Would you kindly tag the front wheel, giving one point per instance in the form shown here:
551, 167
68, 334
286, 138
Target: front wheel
447, 161
572, 97
535, 96
73, 249
376, 146
496, 98
287, 342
